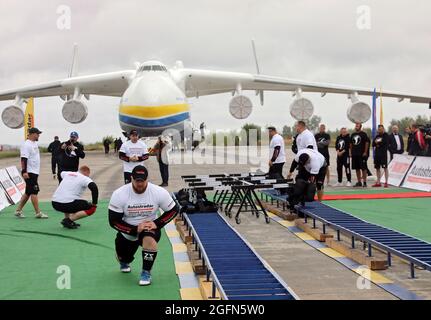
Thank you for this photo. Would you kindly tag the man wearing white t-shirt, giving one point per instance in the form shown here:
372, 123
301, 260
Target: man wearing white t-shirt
133, 153
67, 197
277, 154
305, 138
133, 213
30, 168
312, 168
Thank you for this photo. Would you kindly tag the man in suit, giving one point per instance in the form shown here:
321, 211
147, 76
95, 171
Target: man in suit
396, 142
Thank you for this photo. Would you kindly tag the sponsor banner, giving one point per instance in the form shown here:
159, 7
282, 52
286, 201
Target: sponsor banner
419, 175
398, 168
11, 190
4, 202
16, 178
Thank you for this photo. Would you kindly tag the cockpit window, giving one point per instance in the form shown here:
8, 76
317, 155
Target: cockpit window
152, 68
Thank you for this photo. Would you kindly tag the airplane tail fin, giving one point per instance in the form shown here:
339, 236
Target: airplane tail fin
258, 92
74, 66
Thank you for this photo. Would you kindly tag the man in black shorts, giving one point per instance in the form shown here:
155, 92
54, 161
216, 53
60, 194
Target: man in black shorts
133, 213
380, 145
30, 165
359, 153
67, 197
323, 140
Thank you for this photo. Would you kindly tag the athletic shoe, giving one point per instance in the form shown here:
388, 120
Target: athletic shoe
348, 184
386, 185
338, 184
125, 268
358, 184
163, 185
76, 224
145, 279
19, 214
41, 215
376, 185
67, 223
364, 184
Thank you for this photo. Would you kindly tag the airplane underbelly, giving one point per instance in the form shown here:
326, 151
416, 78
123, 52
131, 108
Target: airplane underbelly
153, 120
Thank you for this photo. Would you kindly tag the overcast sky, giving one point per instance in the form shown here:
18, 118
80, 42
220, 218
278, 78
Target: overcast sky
309, 40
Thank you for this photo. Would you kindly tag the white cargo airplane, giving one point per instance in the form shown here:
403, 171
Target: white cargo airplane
154, 98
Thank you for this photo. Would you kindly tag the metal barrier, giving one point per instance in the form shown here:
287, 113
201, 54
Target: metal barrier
415, 251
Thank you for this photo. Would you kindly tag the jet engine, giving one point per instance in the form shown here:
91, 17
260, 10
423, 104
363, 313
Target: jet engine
240, 107
359, 112
301, 109
13, 117
74, 111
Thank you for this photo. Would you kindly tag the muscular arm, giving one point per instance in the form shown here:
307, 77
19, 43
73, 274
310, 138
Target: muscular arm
275, 153
24, 165
123, 157
166, 217
94, 192
117, 223
293, 166
144, 157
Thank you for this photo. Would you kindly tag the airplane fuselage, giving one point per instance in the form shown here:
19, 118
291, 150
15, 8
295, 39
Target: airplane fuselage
153, 103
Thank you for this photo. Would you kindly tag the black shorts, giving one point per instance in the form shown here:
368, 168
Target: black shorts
71, 207
320, 177
359, 163
31, 184
126, 249
380, 161
327, 159
127, 177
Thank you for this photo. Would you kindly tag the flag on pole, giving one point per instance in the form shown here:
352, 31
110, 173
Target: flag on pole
381, 106
374, 124
29, 117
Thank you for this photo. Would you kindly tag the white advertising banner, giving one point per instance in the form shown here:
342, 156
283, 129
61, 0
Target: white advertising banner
419, 175
16, 178
398, 168
4, 202
11, 190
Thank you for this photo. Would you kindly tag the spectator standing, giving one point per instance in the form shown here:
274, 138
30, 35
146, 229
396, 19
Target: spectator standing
396, 142
54, 148
380, 145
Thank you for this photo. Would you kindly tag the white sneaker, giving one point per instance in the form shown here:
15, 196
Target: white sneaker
41, 215
348, 184
19, 214
338, 184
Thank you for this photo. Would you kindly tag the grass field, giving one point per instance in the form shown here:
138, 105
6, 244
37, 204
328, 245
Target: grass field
410, 216
32, 251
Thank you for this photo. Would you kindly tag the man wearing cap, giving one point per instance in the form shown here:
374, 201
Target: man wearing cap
133, 213
67, 197
53, 148
277, 154
133, 153
30, 168
69, 154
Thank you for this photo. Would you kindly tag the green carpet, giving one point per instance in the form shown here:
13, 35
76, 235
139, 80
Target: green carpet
410, 216
32, 250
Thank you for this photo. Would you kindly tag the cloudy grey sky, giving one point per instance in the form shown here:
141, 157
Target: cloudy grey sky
310, 40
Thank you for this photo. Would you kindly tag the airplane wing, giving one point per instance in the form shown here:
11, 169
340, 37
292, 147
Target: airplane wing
105, 84
206, 82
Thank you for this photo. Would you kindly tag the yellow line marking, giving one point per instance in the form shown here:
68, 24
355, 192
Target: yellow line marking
172, 233
183, 267
270, 214
190, 294
179, 247
304, 236
372, 275
286, 223
154, 111
331, 253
